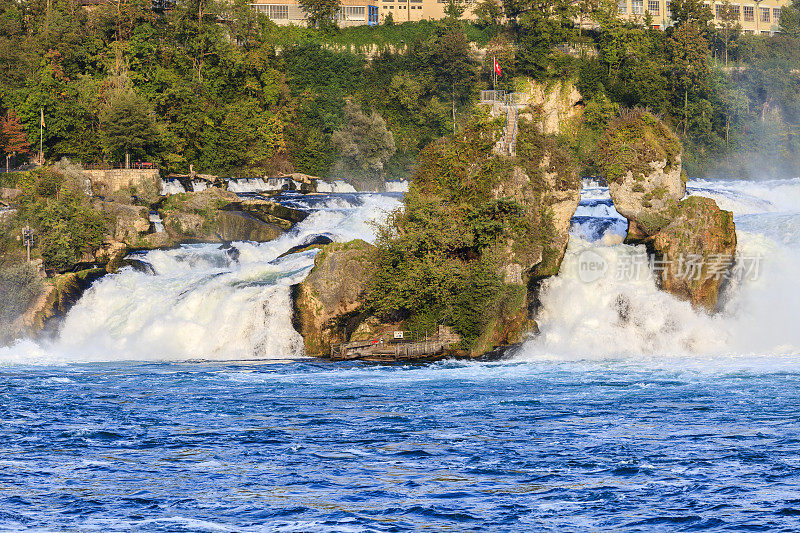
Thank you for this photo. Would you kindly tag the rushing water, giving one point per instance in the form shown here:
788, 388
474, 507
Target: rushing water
180, 400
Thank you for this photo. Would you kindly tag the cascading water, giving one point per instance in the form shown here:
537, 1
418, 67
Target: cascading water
205, 301
171, 186
247, 185
624, 315
210, 303
337, 186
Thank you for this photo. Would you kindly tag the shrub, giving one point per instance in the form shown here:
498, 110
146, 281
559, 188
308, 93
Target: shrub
633, 141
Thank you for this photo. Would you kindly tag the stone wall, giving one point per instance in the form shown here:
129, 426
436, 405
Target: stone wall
107, 182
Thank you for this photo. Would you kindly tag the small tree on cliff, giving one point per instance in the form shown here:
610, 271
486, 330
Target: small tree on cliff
128, 127
364, 142
13, 135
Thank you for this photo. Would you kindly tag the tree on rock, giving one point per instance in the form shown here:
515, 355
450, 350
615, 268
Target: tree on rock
128, 126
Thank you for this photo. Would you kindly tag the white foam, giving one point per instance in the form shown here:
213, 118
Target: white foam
619, 317
247, 185
171, 186
396, 186
203, 302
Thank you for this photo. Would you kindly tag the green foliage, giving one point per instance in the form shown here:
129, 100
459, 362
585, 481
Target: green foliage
321, 13
66, 228
438, 257
128, 126
632, 142
790, 20
364, 142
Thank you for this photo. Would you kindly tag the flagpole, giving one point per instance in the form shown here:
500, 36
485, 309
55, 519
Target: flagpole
41, 135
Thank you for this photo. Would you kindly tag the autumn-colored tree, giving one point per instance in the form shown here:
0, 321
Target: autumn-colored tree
13, 135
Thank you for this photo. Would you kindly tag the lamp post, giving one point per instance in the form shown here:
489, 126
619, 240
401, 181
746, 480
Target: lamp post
27, 239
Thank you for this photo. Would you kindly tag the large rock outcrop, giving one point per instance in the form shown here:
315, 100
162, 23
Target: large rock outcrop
477, 233
641, 160
545, 181
693, 240
553, 105
331, 293
218, 215
697, 251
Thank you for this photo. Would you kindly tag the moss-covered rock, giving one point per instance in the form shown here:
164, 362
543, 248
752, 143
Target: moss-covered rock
694, 241
640, 158
326, 302
218, 215
697, 251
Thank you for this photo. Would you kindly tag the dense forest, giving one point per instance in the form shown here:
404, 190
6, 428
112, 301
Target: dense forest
220, 87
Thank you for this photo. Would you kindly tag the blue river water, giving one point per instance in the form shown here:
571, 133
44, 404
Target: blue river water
179, 399
453, 446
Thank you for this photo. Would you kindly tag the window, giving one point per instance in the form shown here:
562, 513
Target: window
623, 6
354, 12
653, 6
274, 12
776, 14
279, 12
637, 7
717, 12
736, 13
748, 14
764, 14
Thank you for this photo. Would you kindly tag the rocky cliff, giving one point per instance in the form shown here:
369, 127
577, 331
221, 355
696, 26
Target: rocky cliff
326, 304
476, 233
692, 239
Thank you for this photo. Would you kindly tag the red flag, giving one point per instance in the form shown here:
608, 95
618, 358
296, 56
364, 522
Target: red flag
497, 68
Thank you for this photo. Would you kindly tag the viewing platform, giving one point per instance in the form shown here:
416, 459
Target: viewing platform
398, 348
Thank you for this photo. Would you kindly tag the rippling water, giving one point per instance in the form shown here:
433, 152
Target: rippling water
669, 420
560, 446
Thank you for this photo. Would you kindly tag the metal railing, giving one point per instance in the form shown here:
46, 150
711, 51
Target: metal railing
502, 98
138, 165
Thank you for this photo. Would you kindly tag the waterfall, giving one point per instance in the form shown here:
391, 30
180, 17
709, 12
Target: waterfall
171, 186
616, 316
204, 301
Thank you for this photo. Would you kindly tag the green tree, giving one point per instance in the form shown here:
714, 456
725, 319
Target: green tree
321, 13
690, 12
688, 53
730, 25
364, 142
545, 24
790, 19
128, 126
488, 13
